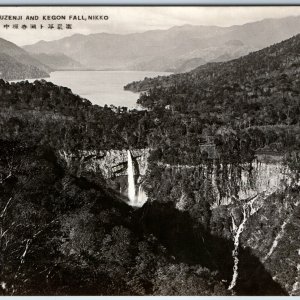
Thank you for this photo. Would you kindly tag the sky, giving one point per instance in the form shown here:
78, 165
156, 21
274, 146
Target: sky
123, 20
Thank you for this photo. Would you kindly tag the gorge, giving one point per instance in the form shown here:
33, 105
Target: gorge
228, 189
123, 170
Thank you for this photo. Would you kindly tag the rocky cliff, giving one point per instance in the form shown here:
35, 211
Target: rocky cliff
250, 180
256, 205
227, 183
268, 225
265, 219
110, 166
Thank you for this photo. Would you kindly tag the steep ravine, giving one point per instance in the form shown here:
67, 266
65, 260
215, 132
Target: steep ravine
255, 205
273, 235
267, 223
249, 204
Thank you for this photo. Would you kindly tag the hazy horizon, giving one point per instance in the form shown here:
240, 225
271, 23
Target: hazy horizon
158, 29
130, 20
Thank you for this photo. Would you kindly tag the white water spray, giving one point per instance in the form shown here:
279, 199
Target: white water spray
279, 236
237, 230
130, 173
142, 197
248, 210
276, 240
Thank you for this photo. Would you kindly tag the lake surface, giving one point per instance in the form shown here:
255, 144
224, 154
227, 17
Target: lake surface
102, 87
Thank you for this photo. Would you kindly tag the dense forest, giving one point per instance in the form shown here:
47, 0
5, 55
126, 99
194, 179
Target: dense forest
81, 238
65, 234
11, 69
253, 100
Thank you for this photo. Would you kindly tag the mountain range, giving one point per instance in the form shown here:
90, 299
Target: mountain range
178, 49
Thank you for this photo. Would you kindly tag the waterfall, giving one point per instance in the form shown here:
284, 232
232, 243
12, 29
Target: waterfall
130, 172
248, 210
238, 230
279, 236
139, 198
276, 240
142, 197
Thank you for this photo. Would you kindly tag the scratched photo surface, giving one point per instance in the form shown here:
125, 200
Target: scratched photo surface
149, 151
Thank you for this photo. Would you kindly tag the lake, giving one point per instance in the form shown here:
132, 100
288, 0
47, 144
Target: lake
102, 87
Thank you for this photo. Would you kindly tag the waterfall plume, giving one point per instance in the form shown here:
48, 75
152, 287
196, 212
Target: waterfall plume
130, 173
248, 210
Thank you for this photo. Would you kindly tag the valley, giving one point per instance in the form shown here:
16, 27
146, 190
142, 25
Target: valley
197, 193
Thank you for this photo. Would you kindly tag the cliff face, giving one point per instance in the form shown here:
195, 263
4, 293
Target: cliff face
263, 217
253, 204
256, 205
267, 225
222, 184
273, 235
249, 180
110, 166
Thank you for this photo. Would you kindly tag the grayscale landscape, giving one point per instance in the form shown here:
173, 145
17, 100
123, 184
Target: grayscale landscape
157, 162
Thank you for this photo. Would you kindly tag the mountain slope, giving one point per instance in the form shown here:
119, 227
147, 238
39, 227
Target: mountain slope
11, 69
242, 112
20, 55
97, 245
166, 50
261, 87
58, 61
81, 238
18, 64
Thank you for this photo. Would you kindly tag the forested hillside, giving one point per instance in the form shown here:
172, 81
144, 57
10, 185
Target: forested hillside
65, 234
70, 233
58, 61
79, 225
256, 93
11, 69
239, 90
16, 63
232, 129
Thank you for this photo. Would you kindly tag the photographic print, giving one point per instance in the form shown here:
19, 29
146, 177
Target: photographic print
150, 150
